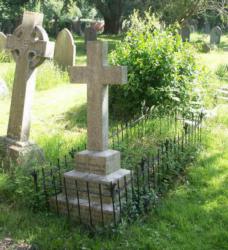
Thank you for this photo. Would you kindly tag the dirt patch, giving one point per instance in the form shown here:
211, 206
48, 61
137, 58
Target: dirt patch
9, 244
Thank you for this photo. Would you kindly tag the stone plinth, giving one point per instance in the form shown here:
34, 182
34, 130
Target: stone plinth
93, 194
19, 153
102, 163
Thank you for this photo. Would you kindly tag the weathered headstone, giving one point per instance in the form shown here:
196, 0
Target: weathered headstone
90, 34
207, 28
215, 35
77, 28
2, 41
65, 48
30, 47
185, 33
98, 166
3, 89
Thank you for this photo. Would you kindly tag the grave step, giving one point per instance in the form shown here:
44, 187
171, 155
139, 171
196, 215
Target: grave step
79, 184
84, 211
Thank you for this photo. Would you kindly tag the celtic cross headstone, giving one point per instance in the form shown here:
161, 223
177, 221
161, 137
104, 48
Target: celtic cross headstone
30, 46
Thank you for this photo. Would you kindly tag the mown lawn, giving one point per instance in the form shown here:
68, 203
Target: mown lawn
193, 215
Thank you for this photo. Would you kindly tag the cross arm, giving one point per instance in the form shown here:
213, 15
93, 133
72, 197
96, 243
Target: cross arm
44, 49
12, 42
114, 75
78, 74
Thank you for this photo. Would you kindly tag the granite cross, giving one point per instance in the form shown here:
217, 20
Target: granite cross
98, 75
30, 46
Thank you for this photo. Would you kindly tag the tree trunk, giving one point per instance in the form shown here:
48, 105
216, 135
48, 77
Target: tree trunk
112, 25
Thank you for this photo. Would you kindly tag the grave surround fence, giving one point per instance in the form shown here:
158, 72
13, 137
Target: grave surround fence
137, 194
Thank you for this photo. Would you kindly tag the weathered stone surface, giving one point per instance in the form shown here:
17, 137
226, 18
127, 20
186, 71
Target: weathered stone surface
185, 33
103, 192
76, 25
215, 35
29, 46
90, 34
98, 75
2, 41
65, 49
18, 153
103, 163
3, 88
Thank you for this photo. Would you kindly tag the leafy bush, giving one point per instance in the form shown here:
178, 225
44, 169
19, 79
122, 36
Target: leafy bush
162, 70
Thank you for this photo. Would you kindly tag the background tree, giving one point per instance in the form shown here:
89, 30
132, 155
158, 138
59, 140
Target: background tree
114, 11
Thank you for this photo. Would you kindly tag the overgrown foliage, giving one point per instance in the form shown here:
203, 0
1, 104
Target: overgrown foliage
162, 71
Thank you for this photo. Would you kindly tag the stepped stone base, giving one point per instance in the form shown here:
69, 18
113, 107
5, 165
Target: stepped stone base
101, 163
92, 198
19, 153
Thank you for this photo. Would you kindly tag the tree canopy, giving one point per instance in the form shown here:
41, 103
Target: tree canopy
60, 13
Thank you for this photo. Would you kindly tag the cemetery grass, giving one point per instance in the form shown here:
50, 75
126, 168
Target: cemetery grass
193, 215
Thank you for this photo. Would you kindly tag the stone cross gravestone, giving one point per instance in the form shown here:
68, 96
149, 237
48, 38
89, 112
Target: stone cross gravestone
65, 48
185, 33
30, 46
97, 167
2, 41
215, 35
90, 34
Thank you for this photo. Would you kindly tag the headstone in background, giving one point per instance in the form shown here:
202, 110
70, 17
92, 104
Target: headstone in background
215, 35
207, 28
3, 88
2, 41
77, 28
185, 33
90, 34
98, 166
65, 48
30, 47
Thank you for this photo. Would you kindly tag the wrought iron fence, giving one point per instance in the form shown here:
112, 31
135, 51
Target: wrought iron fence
148, 179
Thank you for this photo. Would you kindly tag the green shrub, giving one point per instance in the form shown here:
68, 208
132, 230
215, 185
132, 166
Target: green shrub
162, 70
222, 71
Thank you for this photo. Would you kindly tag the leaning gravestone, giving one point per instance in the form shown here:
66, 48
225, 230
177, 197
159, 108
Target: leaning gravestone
185, 33
29, 46
3, 89
215, 36
2, 41
64, 54
97, 167
90, 34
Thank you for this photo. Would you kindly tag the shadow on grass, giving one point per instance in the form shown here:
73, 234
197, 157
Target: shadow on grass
76, 117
